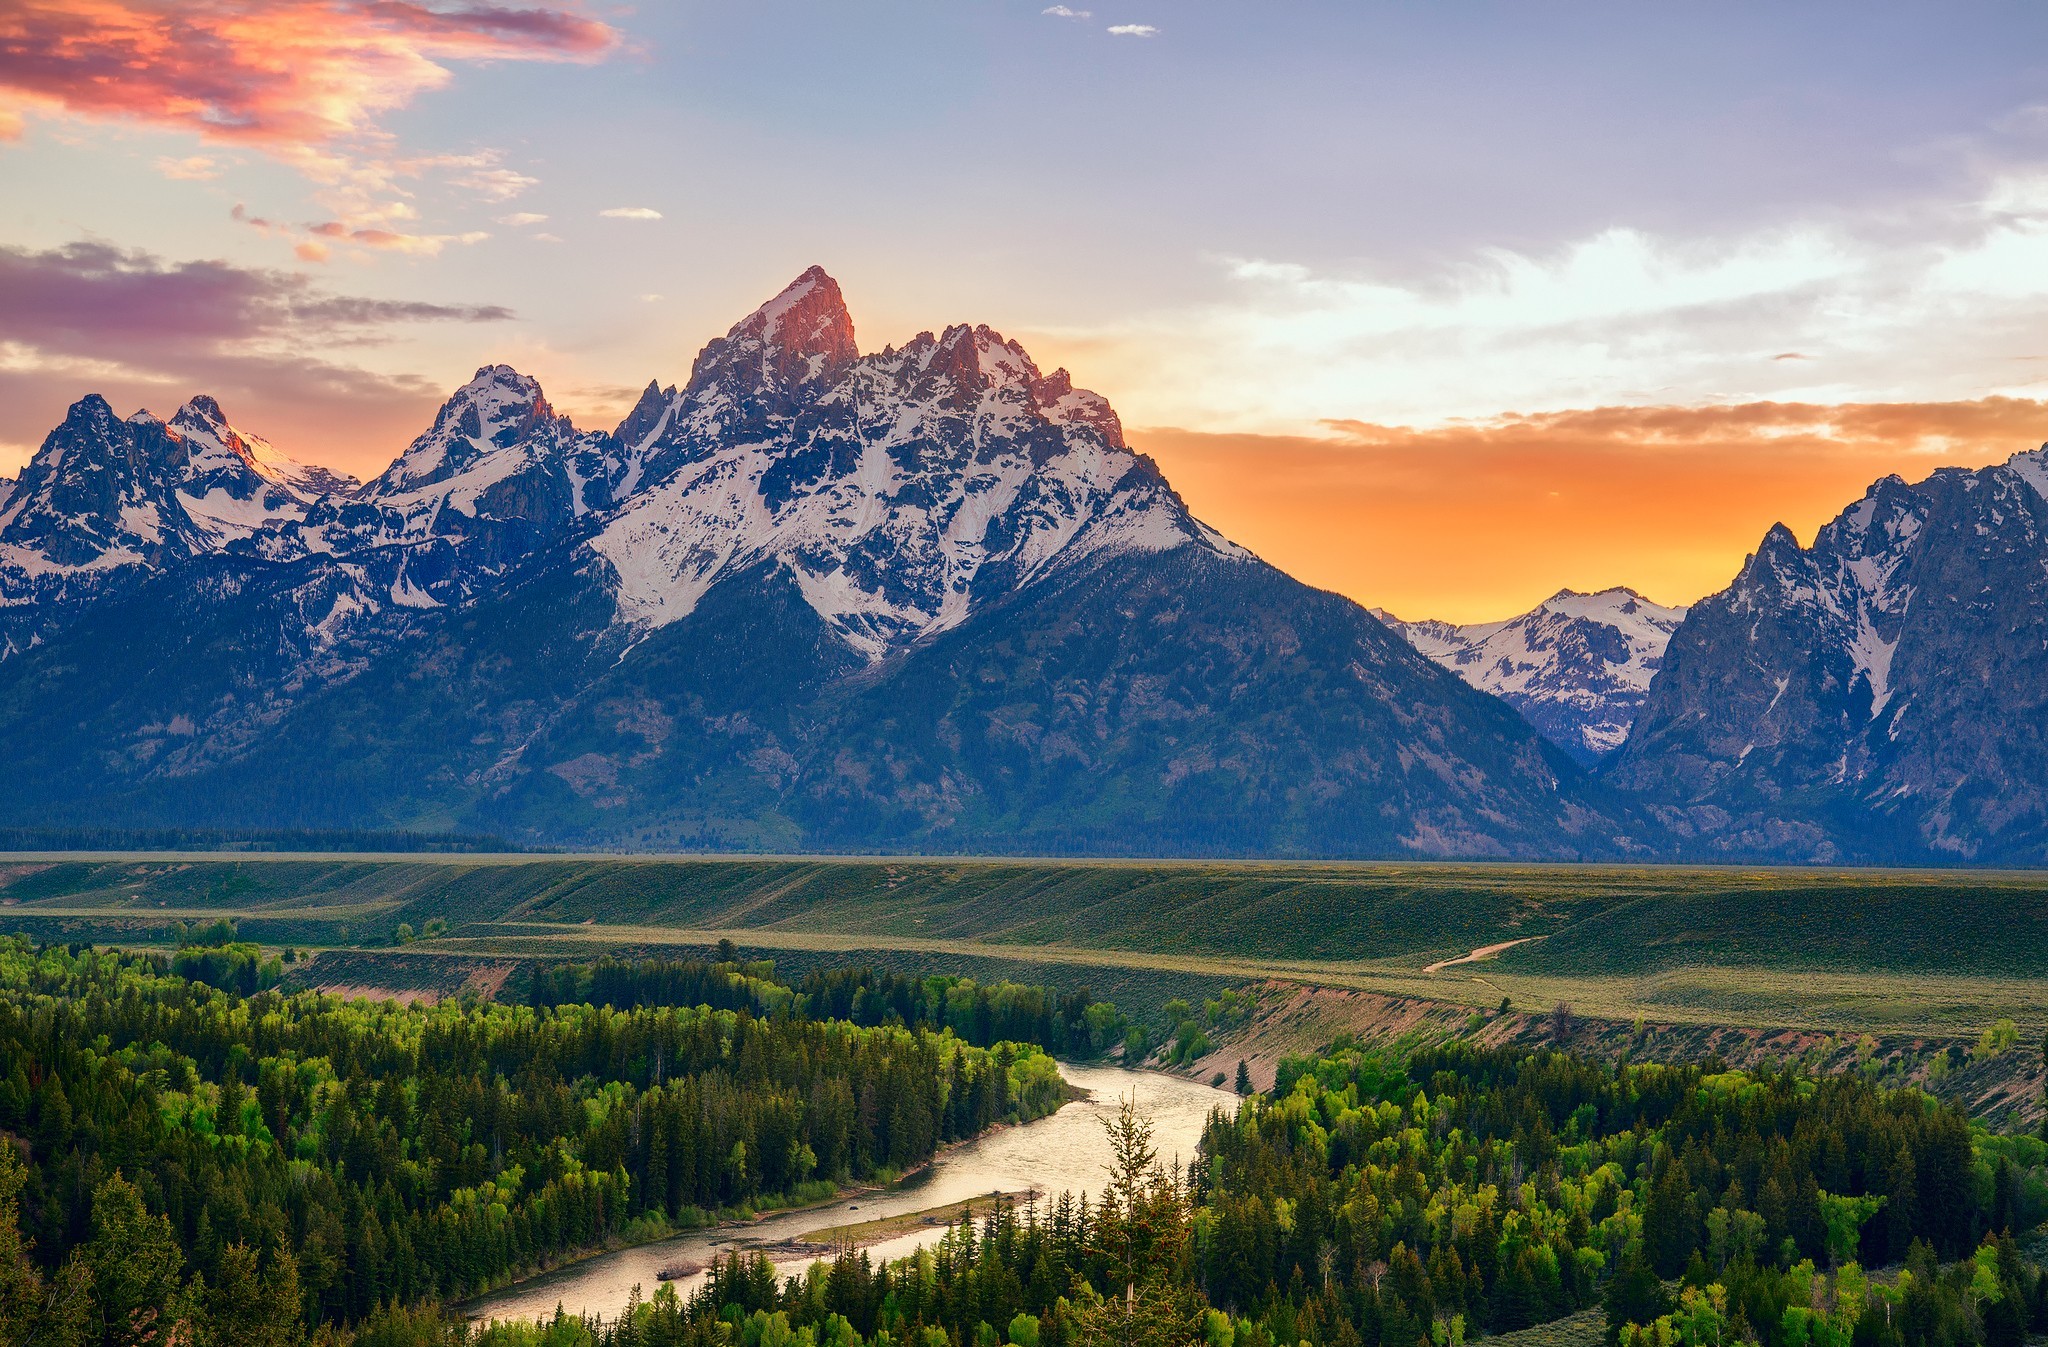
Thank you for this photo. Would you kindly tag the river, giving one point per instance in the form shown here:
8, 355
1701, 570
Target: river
1066, 1151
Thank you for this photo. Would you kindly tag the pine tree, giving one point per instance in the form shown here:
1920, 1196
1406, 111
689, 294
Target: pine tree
1668, 1235
21, 1286
137, 1268
244, 1308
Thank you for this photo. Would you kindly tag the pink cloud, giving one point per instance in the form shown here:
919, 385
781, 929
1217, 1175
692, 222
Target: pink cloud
274, 73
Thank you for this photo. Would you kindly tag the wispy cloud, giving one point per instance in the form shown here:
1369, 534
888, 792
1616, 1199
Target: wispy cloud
1133, 30
1940, 302
267, 73
368, 229
495, 184
630, 213
392, 240
1062, 12
192, 168
520, 218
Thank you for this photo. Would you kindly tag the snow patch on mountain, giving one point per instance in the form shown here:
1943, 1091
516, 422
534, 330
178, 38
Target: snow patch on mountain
2031, 467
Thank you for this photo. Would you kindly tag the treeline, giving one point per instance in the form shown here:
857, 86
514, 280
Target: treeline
1432, 1202
213, 954
245, 839
981, 1014
1468, 1191
344, 1157
647, 984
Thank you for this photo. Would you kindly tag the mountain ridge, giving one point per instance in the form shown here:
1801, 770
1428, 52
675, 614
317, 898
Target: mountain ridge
1877, 694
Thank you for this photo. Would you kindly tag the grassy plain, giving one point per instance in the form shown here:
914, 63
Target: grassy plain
1938, 952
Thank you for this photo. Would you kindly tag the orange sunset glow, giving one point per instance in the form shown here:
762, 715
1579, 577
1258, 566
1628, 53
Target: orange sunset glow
1474, 522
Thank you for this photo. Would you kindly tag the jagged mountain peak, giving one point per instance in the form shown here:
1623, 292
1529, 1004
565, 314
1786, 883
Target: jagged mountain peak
645, 420
497, 411
1876, 677
106, 498
810, 316
92, 409
1063, 402
500, 397
804, 336
1618, 606
221, 456
898, 490
201, 409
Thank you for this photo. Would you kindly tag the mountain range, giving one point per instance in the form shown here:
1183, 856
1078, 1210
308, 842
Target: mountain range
925, 599
929, 599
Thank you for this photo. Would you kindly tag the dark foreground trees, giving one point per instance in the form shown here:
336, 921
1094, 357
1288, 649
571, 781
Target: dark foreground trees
187, 1164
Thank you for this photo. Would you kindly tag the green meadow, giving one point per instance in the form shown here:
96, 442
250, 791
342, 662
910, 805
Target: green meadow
1941, 952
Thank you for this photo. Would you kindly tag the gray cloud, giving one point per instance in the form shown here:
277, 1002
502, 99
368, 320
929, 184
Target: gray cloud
87, 297
91, 317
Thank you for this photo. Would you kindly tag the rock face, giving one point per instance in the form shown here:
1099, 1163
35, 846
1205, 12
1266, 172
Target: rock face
1577, 666
923, 599
1881, 695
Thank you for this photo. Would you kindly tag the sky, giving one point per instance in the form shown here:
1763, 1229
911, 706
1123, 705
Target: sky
1442, 306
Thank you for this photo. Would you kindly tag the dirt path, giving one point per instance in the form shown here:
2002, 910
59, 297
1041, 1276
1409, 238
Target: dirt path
1483, 952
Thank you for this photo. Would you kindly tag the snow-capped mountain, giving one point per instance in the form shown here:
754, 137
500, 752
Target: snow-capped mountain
497, 450
1577, 666
1880, 694
898, 491
926, 598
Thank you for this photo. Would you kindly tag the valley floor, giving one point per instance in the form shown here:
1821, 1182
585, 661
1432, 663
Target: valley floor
1905, 975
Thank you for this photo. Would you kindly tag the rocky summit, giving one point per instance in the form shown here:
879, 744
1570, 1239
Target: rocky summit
920, 599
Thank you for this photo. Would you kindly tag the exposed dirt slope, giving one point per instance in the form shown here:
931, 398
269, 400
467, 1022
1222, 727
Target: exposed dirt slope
2003, 1088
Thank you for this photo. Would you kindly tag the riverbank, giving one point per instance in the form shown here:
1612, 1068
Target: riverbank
861, 1234
1062, 1151
646, 1232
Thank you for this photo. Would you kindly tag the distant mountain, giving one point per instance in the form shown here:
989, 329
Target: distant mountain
1880, 695
924, 599
1576, 666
